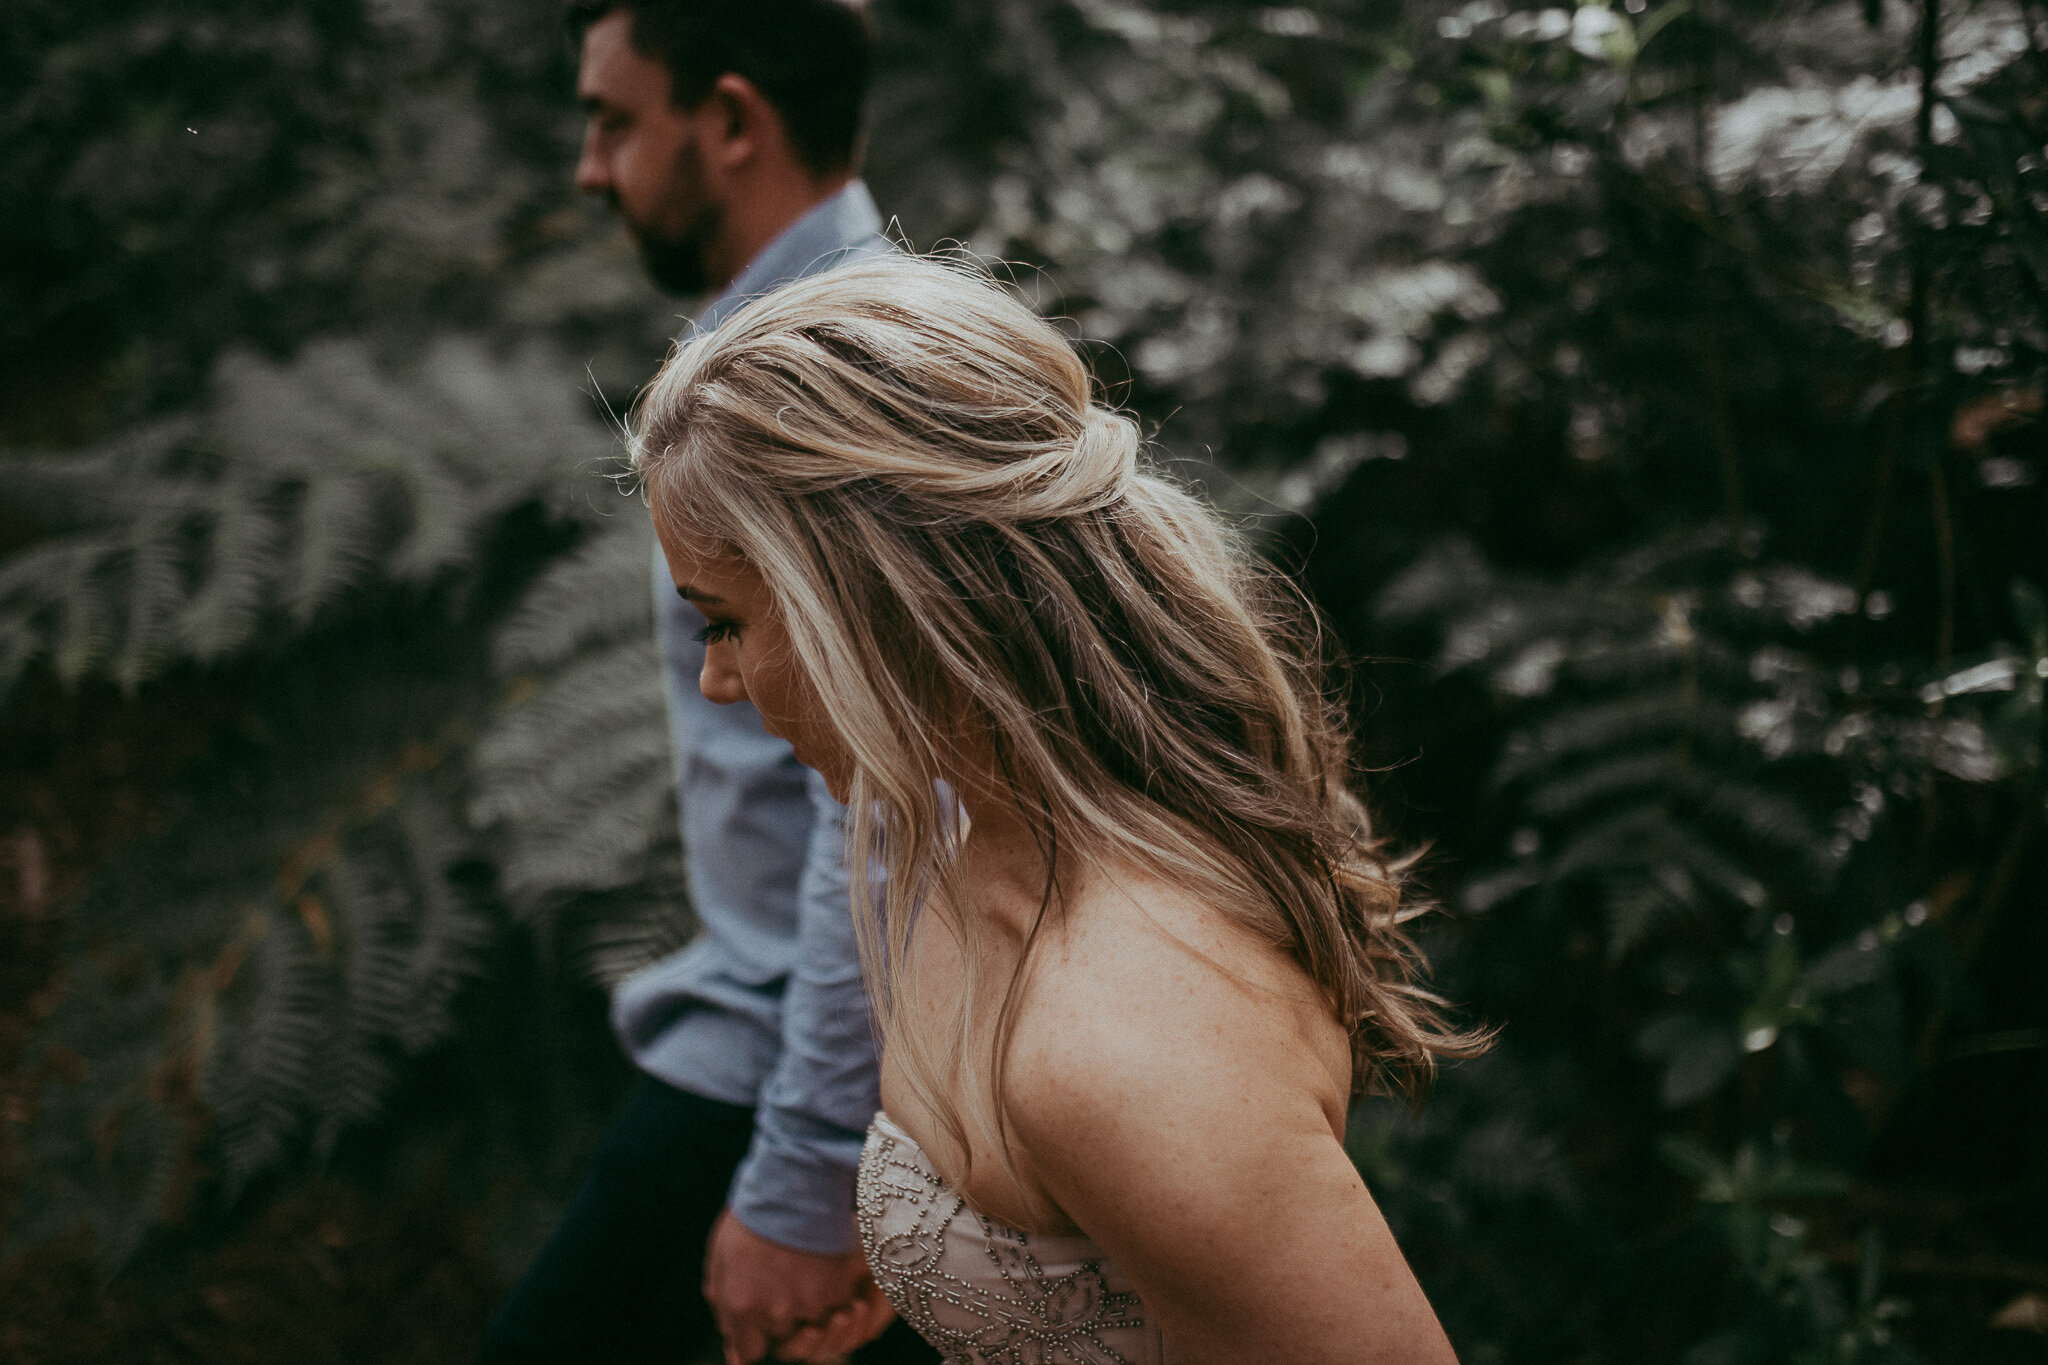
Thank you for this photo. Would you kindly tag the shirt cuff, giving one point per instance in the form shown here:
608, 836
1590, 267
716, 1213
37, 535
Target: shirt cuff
796, 1189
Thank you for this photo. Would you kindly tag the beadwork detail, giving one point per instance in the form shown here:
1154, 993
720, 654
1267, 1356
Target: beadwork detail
983, 1293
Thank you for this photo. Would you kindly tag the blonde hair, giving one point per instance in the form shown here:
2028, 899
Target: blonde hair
961, 542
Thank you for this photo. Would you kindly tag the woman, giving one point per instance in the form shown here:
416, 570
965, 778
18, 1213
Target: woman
1132, 949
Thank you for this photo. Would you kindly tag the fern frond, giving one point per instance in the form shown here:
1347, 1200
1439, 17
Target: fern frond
1437, 586
603, 845
267, 1070
85, 627
574, 778
1671, 715
245, 550
155, 595
442, 524
1628, 774
595, 596
293, 484
451, 935
582, 724
1640, 752
35, 586
634, 930
1760, 812
1650, 653
333, 538
1671, 559
355, 1070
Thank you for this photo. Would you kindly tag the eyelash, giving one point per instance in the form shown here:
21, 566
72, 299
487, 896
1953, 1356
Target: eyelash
714, 631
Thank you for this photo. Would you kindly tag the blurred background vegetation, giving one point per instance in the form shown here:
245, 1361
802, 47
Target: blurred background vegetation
1652, 395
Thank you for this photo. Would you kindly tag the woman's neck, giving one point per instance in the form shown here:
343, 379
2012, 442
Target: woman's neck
1006, 862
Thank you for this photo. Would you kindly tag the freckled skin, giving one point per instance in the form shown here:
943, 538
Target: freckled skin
1177, 1090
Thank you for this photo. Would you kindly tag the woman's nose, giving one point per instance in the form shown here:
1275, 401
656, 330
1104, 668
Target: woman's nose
719, 682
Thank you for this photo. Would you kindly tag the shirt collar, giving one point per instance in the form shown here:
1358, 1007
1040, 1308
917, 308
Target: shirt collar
846, 221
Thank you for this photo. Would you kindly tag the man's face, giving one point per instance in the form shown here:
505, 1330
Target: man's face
641, 154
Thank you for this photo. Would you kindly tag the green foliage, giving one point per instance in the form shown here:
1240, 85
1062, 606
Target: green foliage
1722, 549
1697, 799
302, 927
186, 538
575, 778
327, 535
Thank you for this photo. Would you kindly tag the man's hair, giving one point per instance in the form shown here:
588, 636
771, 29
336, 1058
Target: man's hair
810, 59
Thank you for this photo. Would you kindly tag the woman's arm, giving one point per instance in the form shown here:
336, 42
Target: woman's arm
1183, 1119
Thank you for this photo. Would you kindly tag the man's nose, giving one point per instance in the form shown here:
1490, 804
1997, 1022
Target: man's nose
592, 175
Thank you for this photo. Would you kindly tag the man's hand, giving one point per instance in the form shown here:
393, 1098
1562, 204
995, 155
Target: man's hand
796, 1304
845, 1331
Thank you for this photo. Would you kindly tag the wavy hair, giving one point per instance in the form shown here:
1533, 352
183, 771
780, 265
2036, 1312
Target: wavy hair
975, 571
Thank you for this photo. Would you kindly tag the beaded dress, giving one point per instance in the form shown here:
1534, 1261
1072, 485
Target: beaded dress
984, 1293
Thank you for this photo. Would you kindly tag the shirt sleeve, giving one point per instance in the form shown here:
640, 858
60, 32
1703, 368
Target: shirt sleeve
796, 1185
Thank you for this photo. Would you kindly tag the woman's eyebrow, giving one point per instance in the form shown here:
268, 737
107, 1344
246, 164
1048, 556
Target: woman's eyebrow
690, 594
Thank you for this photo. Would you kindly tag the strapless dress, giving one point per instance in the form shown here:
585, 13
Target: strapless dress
981, 1292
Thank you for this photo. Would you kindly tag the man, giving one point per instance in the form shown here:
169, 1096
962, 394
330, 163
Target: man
725, 134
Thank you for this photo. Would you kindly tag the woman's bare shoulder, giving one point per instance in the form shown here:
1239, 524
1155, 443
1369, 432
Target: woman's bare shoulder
1178, 1091
1143, 989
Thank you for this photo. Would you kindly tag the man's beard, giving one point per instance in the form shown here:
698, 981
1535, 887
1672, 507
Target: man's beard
676, 262
675, 259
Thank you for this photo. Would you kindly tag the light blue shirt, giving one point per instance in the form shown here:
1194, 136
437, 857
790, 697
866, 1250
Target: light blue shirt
765, 1008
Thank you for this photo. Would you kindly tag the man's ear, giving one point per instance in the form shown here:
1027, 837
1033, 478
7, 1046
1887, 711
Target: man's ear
743, 124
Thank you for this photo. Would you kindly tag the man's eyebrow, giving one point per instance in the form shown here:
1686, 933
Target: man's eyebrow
690, 594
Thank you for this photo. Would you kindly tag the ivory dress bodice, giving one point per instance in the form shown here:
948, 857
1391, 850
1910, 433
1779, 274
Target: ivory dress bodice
984, 1293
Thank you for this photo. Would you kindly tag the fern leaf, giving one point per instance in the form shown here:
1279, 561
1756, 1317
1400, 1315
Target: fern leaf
155, 595
1625, 840
35, 587
333, 537
599, 714
18, 647
268, 1070
152, 1135
294, 483
630, 932
355, 1072
514, 423
597, 595
443, 521
451, 937
1715, 868
86, 624
1630, 773
575, 778
581, 772
1669, 714
243, 555
1437, 586
599, 846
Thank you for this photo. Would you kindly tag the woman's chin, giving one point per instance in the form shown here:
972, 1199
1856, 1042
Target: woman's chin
836, 779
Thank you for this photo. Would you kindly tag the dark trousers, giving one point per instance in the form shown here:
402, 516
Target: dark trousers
621, 1281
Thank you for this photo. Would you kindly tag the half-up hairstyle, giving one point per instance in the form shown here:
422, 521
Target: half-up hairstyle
971, 563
